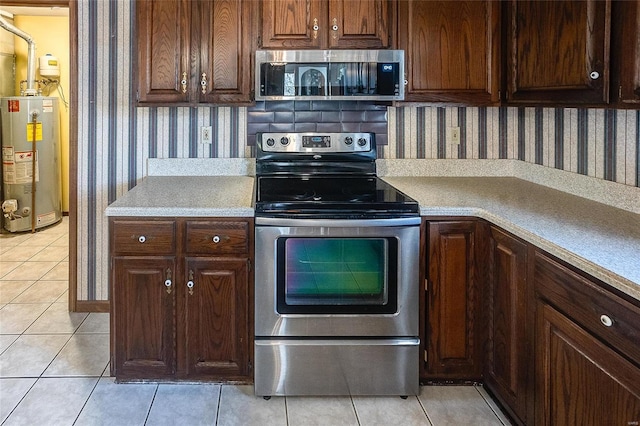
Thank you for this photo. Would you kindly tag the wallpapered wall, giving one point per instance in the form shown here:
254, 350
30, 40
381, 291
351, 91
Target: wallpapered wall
115, 138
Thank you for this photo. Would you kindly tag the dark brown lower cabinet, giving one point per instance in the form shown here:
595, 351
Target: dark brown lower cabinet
217, 306
552, 344
508, 359
145, 321
453, 301
181, 299
579, 379
587, 349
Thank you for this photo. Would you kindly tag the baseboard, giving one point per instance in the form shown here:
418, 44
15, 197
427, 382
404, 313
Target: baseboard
91, 306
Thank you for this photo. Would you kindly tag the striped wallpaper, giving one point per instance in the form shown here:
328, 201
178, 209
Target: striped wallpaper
115, 138
602, 143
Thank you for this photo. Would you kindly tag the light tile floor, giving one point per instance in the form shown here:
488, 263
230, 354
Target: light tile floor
54, 367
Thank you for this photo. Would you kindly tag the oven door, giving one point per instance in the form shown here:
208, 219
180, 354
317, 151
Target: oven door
355, 278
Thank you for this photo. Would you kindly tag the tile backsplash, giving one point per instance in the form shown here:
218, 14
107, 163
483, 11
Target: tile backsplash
317, 116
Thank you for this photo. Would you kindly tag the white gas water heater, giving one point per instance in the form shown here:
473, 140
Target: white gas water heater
30, 151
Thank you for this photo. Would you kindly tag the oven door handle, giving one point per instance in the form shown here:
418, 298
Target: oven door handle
343, 223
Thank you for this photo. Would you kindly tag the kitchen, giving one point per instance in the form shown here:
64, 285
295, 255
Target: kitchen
509, 138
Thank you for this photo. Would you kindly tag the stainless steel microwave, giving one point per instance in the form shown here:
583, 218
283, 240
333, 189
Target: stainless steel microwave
330, 75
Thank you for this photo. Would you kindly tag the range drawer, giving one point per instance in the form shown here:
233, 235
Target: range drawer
143, 237
216, 237
606, 315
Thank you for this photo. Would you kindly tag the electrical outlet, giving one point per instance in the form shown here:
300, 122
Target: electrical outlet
205, 134
454, 134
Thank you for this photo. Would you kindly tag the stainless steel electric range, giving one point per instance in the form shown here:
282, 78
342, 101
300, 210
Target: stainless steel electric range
336, 270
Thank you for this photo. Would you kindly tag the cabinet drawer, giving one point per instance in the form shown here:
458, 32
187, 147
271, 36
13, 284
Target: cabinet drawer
214, 237
133, 237
603, 313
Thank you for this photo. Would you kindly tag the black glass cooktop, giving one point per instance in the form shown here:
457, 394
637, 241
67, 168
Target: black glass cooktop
323, 196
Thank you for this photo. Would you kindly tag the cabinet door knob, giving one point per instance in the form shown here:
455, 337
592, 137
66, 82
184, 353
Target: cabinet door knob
190, 283
334, 28
216, 239
184, 82
606, 320
594, 75
315, 27
142, 239
167, 281
203, 83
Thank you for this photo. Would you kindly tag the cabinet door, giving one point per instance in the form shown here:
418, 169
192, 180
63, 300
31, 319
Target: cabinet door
225, 49
559, 52
143, 317
359, 24
163, 42
294, 24
627, 51
452, 50
580, 380
508, 359
217, 317
453, 341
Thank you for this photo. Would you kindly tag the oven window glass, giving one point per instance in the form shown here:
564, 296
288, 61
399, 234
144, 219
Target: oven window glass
337, 275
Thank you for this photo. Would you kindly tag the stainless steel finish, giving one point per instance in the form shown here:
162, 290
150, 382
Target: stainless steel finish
337, 367
404, 322
342, 55
350, 223
330, 56
293, 142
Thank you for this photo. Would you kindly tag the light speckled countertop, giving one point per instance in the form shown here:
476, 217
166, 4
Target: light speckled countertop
603, 241
183, 196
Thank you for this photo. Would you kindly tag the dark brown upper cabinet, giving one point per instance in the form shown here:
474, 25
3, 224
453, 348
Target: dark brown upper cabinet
193, 52
626, 60
452, 51
321, 24
558, 52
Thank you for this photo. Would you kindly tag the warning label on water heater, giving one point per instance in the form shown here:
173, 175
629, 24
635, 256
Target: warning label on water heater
17, 166
14, 105
30, 135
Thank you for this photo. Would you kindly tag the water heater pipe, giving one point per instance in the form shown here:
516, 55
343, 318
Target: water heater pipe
31, 59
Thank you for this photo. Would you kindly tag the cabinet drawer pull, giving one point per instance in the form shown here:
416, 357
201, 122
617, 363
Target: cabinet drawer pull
142, 239
220, 238
606, 320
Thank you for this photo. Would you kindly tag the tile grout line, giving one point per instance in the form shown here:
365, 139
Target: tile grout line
88, 397
424, 410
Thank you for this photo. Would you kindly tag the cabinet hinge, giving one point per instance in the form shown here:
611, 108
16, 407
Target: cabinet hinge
425, 355
250, 365
619, 92
426, 285
260, 41
249, 264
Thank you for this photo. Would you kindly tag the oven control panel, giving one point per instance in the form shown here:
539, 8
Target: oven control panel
315, 142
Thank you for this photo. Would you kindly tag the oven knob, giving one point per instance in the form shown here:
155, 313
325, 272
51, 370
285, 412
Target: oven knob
362, 141
284, 141
348, 140
271, 142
